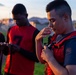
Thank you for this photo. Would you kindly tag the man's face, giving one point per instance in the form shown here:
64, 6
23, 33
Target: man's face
20, 19
56, 22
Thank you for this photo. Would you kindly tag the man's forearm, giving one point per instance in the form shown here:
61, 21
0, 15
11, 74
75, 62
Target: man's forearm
29, 55
56, 67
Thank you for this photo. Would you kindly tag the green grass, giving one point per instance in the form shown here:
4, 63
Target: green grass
45, 40
39, 69
3, 69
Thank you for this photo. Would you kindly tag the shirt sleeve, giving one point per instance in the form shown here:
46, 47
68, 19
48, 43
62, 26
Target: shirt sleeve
70, 53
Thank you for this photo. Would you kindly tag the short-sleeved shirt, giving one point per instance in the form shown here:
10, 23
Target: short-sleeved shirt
70, 52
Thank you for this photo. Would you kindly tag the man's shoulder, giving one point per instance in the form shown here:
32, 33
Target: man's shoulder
11, 28
34, 28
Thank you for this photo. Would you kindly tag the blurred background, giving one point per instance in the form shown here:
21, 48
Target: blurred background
36, 12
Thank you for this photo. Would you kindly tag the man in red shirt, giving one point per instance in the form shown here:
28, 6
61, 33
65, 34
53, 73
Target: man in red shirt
22, 35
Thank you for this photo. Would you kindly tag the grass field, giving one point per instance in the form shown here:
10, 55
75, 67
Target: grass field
39, 68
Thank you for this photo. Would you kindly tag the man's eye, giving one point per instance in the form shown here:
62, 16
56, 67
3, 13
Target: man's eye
52, 20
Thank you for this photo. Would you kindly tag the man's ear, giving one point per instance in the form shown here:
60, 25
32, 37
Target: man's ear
65, 16
26, 15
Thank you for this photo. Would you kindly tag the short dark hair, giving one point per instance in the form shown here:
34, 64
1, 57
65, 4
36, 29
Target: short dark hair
19, 9
60, 6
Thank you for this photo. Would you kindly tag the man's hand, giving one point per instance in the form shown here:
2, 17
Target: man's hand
43, 33
4, 48
46, 54
3, 45
13, 48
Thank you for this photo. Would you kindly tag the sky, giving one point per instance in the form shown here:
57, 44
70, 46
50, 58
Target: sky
35, 8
